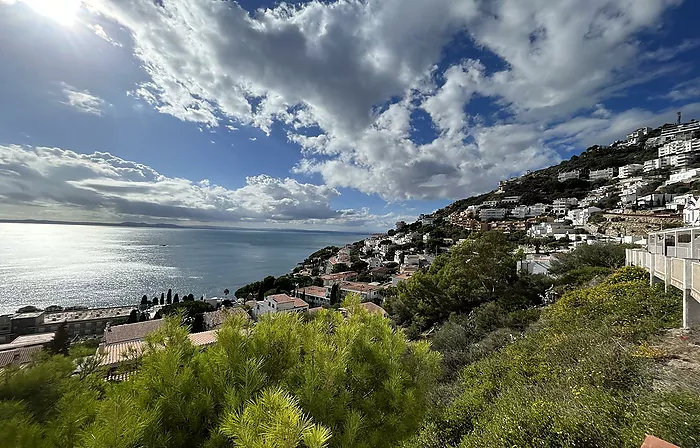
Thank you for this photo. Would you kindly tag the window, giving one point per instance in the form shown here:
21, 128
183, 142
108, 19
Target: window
684, 238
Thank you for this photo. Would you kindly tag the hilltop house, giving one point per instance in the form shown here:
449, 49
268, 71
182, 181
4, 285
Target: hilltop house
567, 175
280, 303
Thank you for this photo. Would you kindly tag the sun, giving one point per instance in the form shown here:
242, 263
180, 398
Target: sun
62, 11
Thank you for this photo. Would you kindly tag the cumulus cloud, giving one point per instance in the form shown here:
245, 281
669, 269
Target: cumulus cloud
46, 177
347, 80
82, 100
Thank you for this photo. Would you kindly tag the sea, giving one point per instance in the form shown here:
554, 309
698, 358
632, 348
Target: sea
100, 266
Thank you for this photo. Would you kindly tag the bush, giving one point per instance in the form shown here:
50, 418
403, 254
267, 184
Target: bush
575, 380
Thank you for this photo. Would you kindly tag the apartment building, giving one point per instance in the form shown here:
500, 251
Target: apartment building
605, 173
630, 170
568, 175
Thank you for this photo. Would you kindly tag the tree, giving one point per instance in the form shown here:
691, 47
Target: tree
226, 303
391, 232
28, 309
143, 317
189, 297
133, 317
155, 301
608, 255
284, 283
359, 266
476, 272
60, 342
335, 294
169, 297
144, 300
340, 267
176, 299
162, 298
226, 292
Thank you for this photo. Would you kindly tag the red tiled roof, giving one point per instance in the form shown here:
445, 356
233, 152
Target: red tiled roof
317, 291
338, 275
374, 308
281, 298
130, 332
358, 286
298, 303
655, 442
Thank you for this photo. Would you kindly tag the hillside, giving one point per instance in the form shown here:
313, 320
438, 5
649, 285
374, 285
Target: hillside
543, 186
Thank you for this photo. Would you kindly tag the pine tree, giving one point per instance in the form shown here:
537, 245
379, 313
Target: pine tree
169, 299
176, 299
162, 298
155, 301
60, 342
133, 317
144, 300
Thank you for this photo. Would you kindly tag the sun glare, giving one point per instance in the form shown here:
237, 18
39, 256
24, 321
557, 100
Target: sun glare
62, 11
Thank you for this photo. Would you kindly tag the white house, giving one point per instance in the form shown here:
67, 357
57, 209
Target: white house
490, 203
373, 262
683, 176
314, 295
679, 147
680, 160
691, 212
673, 132
580, 216
520, 212
395, 280
511, 199
605, 173
534, 264
280, 303
630, 170
557, 230
562, 205
636, 136
656, 164
567, 175
486, 214
426, 219
366, 291
538, 209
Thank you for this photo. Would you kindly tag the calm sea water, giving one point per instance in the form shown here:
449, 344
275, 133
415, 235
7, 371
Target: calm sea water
42, 264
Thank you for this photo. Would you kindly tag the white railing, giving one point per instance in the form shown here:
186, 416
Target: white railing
680, 272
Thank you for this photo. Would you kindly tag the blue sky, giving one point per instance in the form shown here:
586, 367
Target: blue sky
333, 115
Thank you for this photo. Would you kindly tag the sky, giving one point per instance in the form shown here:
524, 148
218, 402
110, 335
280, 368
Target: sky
334, 115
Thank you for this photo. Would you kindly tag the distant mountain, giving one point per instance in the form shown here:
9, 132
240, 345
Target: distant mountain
87, 223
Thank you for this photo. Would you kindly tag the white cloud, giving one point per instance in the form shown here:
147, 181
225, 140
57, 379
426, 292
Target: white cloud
102, 34
253, 139
82, 100
100, 182
328, 71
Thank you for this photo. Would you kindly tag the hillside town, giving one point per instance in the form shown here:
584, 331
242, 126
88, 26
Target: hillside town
621, 204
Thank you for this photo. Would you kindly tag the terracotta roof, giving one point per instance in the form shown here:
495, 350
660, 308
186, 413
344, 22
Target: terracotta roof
204, 339
315, 310
654, 442
114, 353
298, 303
374, 308
317, 291
358, 286
338, 275
20, 355
130, 332
281, 298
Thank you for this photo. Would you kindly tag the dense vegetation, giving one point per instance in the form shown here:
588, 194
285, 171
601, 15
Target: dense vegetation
583, 377
479, 271
284, 382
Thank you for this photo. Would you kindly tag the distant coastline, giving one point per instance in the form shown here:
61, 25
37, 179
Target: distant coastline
170, 226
